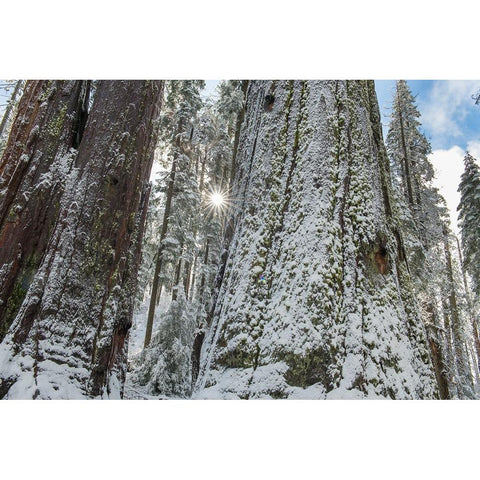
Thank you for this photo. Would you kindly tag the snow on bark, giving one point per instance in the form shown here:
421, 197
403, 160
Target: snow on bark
33, 168
69, 337
314, 301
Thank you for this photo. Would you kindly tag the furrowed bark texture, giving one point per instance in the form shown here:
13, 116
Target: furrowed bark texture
69, 337
33, 169
314, 301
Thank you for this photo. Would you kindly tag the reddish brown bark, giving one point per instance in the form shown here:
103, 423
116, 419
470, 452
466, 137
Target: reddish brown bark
78, 310
32, 173
439, 370
439, 357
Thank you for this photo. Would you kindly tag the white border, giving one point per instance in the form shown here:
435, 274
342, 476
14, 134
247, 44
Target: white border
249, 39
214, 39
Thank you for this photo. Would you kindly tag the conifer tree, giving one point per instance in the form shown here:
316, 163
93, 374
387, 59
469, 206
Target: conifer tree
457, 323
221, 136
469, 217
424, 223
192, 246
165, 369
472, 309
412, 174
182, 103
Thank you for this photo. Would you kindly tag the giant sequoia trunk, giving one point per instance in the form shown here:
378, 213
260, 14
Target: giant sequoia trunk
314, 301
33, 169
69, 337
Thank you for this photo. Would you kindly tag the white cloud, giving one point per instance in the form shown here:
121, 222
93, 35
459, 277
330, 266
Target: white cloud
448, 100
448, 166
474, 148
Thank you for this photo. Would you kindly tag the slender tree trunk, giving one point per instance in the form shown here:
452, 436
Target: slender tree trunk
196, 352
439, 369
466, 386
471, 314
202, 172
477, 344
191, 292
33, 170
9, 108
176, 280
203, 277
196, 154
200, 334
70, 331
438, 355
187, 278
240, 118
452, 368
158, 264
159, 294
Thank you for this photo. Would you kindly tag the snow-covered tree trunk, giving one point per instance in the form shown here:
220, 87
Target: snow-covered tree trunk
314, 301
69, 337
469, 216
239, 122
470, 308
465, 387
33, 169
156, 285
439, 356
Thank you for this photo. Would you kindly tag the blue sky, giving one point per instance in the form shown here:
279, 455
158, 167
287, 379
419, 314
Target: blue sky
450, 121
449, 114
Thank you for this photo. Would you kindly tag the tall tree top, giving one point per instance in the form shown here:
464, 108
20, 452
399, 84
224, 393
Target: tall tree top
404, 135
408, 149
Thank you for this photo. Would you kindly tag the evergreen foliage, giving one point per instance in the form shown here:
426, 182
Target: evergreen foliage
198, 137
425, 229
469, 216
165, 366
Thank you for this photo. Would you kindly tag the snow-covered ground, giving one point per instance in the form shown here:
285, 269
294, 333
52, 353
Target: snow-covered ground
137, 332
